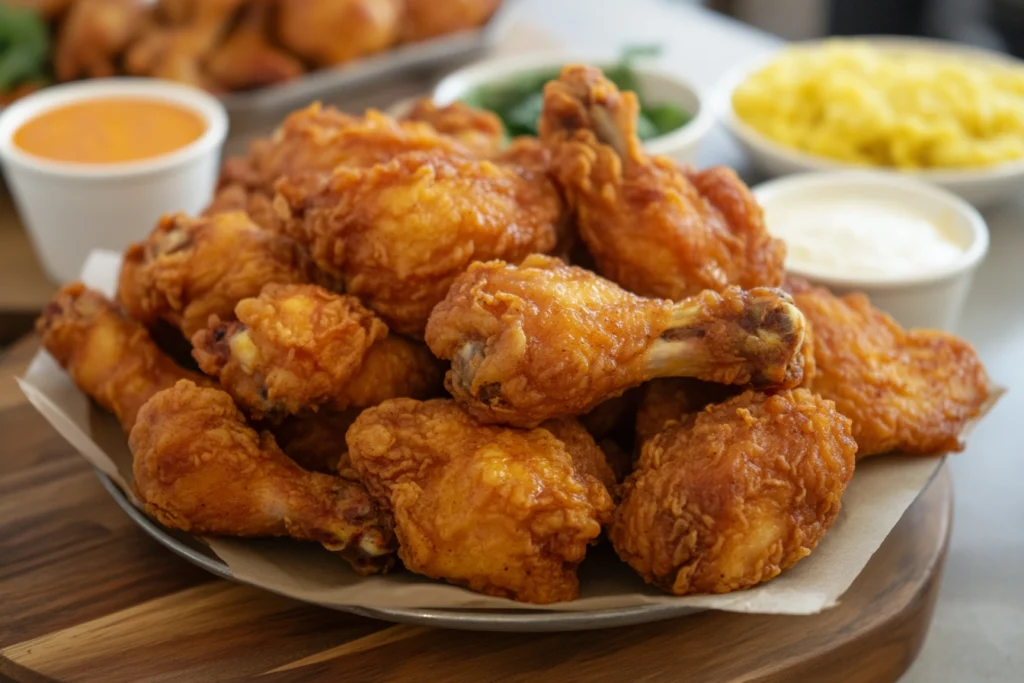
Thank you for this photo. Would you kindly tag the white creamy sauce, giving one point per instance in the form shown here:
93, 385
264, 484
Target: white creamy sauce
859, 236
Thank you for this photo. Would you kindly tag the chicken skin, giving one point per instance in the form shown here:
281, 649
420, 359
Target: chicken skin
504, 512
907, 391
673, 399
108, 355
295, 348
399, 233
328, 32
191, 268
94, 34
732, 496
542, 340
428, 18
201, 468
481, 131
654, 228
316, 442
247, 59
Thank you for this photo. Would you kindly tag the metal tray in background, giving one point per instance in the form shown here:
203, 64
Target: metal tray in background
536, 621
330, 82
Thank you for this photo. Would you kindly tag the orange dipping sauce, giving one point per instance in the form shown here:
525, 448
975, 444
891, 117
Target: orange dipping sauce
110, 130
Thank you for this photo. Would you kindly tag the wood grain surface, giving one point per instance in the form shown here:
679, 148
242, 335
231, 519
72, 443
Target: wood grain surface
87, 596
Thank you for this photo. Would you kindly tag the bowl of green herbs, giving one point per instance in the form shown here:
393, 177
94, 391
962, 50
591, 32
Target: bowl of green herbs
672, 120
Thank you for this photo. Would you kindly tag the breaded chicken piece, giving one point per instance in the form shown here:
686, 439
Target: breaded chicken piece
108, 355
399, 233
428, 18
295, 348
655, 228
673, 399
201, 468
191, 268
481, 131
93, 35
248, 58
911, 391
329, 32
543, 339
502, 511
736, 494
316, 442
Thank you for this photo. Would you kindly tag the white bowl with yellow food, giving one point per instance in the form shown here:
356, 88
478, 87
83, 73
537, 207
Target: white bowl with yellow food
913, 248
936, 111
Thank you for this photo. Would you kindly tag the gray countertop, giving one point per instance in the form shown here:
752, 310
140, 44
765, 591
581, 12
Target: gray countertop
978, 629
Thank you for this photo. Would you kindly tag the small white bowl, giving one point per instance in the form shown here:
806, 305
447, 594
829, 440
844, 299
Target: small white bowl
657, 86
931, 300
981, 186
72, 208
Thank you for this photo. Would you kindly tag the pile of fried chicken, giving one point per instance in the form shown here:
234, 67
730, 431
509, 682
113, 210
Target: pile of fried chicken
227, 45
394, 357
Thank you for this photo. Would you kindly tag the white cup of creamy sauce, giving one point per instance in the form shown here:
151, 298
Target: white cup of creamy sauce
912, 248
94, 164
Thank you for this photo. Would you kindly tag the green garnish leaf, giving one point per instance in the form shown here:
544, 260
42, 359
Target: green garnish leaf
24, 46
645, 128
666, 117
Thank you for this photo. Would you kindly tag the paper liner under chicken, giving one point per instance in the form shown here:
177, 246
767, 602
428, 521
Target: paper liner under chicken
543, 339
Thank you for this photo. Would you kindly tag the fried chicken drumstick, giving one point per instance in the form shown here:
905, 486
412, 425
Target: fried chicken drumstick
505, 512
191, 268
544, 339
295, 348
110, 356
655, 228
907, 391
201, 468
732, 496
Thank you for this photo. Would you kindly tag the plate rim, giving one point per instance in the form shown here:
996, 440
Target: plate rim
535, 621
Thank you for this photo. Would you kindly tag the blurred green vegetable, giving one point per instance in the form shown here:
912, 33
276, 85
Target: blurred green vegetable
24, 46
518, 102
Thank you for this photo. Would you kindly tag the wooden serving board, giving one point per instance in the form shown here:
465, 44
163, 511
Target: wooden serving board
85, 595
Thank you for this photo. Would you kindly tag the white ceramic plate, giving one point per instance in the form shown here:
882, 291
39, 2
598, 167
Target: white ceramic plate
981, 187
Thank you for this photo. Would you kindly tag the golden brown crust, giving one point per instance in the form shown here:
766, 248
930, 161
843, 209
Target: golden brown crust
189, 269
201, 468
908, 391
735, 495
399, 233
505, 512
481, 131
335, 32
109, 356
425, 19
655, 228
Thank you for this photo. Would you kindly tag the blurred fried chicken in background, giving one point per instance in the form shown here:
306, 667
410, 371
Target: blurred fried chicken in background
93, 35
328, 32
201, 468
733, 495
399, 233
247, 58
544, 339
429, 18
108, 355
907, 391
655, 228
506, 512
297, 347
191, 268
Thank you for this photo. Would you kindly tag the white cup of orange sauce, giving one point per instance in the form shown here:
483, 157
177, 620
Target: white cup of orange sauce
93, 165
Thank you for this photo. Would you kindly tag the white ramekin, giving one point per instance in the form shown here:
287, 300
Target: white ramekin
657, 85
933, 300
72, 208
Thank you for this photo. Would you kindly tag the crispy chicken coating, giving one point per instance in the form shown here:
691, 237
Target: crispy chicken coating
908, 391
481, 131
428, 18
542, 340
734, 495
108, 355
191, 268
201, 468
504, 512
655, 228
247, 58
316, 442
399, 233
93, 35
328, 32
673, 399
297, 347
